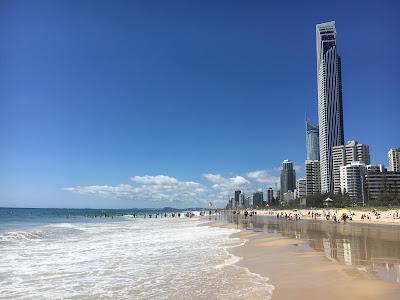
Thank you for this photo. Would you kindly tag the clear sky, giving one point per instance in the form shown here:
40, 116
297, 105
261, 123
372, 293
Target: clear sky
174, 103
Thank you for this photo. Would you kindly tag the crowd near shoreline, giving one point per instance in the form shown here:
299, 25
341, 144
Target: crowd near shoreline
345, 215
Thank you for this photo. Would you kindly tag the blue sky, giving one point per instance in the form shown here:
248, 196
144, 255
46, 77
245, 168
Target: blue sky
156, 103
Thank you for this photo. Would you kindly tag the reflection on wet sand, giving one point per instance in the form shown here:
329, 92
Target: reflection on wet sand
371, 248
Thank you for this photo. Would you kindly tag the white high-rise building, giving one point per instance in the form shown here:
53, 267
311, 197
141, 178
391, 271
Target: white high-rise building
394, 160
330, 107
352, 180
345, 154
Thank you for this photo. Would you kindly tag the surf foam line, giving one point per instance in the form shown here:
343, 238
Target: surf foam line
233, 261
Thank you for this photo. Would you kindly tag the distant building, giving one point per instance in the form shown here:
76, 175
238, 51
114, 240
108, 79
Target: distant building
241, 200
278, 196
379, 181
258, 199
301, 187
330, 106
288, 177
230, 203
237, 198
394, 160
312, 141
247, 202
288, 196
352, 180
313, 177
346, 154
375, 168
270, 196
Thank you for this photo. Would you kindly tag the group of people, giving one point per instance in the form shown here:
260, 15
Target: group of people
368, 216
289, 217
246, 213
156, 215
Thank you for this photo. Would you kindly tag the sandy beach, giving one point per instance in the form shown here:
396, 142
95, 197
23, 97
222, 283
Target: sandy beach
320, 260
365, 216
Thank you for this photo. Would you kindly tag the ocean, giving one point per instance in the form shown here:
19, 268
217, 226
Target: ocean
81, 254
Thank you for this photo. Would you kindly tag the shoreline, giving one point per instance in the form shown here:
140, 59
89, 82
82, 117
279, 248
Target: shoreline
298, 271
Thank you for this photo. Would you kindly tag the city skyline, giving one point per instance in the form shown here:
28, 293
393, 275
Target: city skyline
110, 124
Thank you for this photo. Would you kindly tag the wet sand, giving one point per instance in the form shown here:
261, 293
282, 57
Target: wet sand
311, 260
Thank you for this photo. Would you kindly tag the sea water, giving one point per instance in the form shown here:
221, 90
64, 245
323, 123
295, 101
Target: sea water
53, 254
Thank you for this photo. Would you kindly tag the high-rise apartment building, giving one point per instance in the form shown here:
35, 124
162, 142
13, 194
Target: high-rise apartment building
301, 188
313, 177
288, 177
346, 154
394, 160
375, 168
352, 180
330, 107
312, 141
379, 181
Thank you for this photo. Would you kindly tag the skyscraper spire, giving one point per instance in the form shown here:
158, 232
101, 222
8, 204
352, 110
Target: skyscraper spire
312, 141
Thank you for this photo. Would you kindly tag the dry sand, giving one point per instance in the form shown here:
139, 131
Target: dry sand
387, 217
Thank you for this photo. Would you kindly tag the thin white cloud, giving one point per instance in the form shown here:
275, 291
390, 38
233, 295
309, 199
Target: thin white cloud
167, 190
214, 178
223, 187
147, 188
263, 177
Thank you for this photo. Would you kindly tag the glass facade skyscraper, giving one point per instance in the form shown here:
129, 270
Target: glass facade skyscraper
330, 107
288, 177
312, 141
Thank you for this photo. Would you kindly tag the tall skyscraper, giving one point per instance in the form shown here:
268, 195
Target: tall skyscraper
288, 177
330, 107
394, 160
237, 198
270, 196
313, 177
258, 199
312, 141
345, 154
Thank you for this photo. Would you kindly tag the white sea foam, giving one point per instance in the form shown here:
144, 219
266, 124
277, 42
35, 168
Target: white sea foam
128, 259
